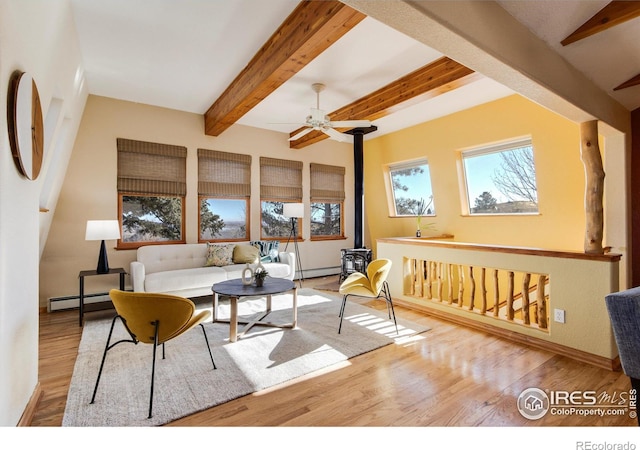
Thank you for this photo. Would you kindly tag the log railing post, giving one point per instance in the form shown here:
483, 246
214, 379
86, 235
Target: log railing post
428, 277
526, 280
496, 294
449, 283
483, 290
439, 281
420, 278
472, 294
461, 279
541, 302
594, 190
510, 311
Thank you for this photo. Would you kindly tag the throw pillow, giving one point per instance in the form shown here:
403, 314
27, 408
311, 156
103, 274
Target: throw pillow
219, 254
244, 253
268, 250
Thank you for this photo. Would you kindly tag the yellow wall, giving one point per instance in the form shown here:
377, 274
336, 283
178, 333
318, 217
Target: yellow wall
89, 189
559, 171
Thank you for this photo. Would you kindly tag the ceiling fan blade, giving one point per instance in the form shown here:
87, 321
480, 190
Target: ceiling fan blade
351, 123
336, 135
299, 135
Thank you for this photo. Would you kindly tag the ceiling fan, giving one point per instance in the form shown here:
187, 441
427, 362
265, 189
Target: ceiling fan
319, 121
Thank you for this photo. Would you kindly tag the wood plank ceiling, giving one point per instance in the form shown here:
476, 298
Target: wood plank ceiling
309, 30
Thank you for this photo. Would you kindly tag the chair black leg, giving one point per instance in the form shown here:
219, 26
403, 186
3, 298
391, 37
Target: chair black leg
208, 348
387, 295
344, 302
104, 356
153, 366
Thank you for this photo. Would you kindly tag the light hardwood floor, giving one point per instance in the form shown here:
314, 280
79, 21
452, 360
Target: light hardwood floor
449, 376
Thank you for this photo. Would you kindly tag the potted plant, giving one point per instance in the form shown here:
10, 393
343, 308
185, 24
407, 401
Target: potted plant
259, 275
420, 209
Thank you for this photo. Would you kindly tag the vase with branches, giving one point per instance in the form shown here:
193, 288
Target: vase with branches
420, 209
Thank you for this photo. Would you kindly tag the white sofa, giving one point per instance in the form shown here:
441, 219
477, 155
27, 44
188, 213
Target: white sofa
179, 269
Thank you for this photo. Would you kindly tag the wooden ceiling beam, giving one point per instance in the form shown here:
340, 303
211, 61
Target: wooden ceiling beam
635, 81
438, 77
611, 15
308, 31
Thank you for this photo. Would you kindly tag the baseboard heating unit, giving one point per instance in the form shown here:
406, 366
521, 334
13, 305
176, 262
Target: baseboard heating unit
73, 301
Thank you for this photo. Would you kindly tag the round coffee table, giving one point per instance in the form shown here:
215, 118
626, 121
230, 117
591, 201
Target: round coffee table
236, 290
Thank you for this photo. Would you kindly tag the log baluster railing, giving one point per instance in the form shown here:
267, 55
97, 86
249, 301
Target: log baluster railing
429, 275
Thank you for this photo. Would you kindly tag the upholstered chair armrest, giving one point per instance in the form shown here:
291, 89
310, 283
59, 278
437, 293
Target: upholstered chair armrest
289, 258
624, 312
137, 274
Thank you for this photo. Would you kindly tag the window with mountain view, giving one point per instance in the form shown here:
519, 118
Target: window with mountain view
327, 198
411, 188
151, 191
501, 179
224, 190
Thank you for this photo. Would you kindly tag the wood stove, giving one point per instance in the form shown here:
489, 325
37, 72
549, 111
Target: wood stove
354, 260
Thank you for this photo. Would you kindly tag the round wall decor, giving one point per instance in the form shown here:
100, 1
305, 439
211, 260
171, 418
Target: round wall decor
26, 128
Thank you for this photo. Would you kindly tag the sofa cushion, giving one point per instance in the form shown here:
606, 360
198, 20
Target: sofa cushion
244, 253
268, 250
219, 254
175, 280
163, 257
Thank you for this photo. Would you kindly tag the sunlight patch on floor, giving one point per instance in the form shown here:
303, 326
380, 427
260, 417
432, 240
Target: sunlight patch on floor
306, 377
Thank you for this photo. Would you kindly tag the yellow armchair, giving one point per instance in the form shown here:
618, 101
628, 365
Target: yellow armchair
372, 285
152, 319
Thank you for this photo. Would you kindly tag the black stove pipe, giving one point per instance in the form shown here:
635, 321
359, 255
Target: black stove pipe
358, 170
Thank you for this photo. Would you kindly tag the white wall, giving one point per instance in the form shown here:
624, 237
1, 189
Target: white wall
38, 37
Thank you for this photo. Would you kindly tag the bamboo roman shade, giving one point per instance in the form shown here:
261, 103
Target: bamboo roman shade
327, 183
150, 168
280, 179
223, 175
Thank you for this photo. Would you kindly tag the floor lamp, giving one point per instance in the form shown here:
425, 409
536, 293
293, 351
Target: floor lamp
294, 211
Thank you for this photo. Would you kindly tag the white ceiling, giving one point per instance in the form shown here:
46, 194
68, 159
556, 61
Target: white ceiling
183, 54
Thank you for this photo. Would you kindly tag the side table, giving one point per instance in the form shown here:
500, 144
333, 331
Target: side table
88, 273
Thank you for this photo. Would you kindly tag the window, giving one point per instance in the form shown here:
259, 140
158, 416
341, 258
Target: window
151, 190
280, 182
410, 183
224, 191
327, 199
501, 179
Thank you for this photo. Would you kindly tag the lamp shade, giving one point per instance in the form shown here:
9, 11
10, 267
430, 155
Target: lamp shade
292, 210
98, 230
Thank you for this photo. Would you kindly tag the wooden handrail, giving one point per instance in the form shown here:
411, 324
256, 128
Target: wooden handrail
612, 257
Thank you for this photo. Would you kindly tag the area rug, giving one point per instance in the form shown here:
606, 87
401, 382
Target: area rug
185, 381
